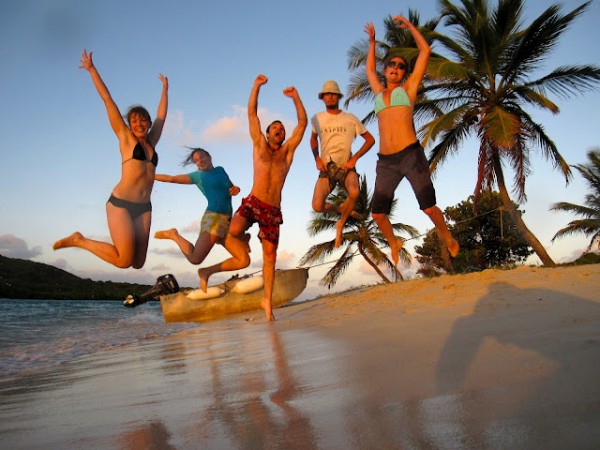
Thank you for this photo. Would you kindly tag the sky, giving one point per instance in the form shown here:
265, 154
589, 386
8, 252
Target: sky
59, 158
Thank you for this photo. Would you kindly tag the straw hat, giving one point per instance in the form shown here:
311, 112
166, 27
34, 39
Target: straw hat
330, 87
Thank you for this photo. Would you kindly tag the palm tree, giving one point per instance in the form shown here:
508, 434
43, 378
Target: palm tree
589, 225
490, 87
486, 90
362, 236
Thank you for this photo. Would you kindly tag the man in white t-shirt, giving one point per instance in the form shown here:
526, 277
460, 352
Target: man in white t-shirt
336, 131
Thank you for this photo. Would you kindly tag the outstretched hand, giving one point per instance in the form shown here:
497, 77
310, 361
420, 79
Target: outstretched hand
86, 60
165, 81
370, 30
290, 91
401, 21
261, 79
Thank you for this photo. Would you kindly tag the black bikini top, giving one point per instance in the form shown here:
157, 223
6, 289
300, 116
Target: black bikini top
140, 155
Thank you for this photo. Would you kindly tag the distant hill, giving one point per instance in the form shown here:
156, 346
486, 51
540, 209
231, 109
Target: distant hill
20, 278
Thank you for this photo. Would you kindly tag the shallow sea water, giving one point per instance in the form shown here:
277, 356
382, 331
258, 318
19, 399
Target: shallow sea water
96, 375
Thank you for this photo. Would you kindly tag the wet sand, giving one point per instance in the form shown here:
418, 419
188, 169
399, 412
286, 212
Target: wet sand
490, 360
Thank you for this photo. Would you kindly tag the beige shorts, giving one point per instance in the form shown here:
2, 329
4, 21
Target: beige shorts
215, 224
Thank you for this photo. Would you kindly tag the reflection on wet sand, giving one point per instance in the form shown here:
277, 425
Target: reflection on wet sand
248, 400
153, 435
484, 379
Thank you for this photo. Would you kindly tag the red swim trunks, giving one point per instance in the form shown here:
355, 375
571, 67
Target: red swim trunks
268, 217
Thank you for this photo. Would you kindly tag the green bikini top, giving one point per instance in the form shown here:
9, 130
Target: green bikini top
399, 97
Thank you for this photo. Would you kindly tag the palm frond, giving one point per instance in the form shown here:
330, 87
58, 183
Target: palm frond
589, 222
362, 234
566, 81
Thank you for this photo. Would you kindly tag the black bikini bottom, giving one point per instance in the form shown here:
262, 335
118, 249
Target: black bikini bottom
135, 209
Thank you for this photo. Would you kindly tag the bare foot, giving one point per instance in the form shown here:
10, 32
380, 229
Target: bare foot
266, 306
356, 215
203, 274
339, 226
453, 247
165, 234
396, 247
69, 241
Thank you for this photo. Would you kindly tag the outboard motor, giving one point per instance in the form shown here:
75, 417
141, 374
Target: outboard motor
165, 284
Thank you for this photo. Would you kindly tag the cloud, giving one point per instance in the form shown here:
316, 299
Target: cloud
14, 247
61, 263
193, 227
285, 259
230, 128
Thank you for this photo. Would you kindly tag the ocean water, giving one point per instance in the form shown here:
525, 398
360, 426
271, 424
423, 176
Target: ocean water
42, 334
97, 375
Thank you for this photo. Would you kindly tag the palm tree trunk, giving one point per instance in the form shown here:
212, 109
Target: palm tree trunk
537, 246
374, 266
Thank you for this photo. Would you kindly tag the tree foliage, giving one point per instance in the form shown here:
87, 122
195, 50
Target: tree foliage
486, 88
23, 279
589, 213
486, 234
360, 236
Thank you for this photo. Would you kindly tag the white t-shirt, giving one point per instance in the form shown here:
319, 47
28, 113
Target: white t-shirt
336, 134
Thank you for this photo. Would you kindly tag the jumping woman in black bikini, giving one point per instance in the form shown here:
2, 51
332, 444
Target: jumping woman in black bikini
128, 209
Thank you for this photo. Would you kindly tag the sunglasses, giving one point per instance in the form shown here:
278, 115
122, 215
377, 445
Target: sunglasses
396, 65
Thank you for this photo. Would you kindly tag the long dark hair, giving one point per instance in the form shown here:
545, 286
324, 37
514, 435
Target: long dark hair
189, 159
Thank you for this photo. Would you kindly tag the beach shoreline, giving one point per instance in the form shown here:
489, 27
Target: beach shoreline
487, 360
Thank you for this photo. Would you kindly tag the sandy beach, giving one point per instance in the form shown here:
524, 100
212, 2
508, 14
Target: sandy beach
490, 360
497, 359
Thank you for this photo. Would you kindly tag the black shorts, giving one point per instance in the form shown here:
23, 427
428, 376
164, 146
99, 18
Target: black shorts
411, 163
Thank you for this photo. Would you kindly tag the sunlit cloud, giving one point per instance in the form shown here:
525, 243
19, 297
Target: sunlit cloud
230, 128
193, 227
14, 247
285, 259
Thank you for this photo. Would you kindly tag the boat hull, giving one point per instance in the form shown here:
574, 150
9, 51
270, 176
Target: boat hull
179, 308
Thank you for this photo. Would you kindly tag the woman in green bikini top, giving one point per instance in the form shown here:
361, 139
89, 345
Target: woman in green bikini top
400, 153
399, 97
394, 100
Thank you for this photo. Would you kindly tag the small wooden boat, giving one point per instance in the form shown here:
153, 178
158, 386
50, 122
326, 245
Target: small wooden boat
232, 297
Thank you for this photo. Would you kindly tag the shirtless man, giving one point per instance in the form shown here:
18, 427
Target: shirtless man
272, 158
336, 130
